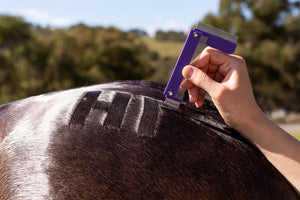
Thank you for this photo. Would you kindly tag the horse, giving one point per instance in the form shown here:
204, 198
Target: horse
120, 140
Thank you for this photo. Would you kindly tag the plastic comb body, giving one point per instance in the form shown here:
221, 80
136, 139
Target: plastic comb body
198, 38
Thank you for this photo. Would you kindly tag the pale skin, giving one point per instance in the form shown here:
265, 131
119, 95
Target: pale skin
225, 78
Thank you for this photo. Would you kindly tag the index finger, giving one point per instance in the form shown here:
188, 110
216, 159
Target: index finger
211, 56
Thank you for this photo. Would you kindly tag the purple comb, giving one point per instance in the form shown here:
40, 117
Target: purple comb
198, 38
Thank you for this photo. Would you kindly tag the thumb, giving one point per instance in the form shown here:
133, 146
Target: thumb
200, 79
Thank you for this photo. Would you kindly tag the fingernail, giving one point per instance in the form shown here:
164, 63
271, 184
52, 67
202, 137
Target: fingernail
189, 73
192, 99
198, 105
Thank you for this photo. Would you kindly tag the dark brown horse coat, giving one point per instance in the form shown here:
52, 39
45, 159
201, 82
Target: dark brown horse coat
119, 141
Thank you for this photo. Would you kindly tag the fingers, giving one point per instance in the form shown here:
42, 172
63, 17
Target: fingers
200, 100
200, 79
185, 85
196, 95
193, 94
210, 72
211, 56
213, 61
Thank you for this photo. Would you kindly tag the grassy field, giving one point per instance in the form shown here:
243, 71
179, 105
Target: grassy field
164, 48
297, 136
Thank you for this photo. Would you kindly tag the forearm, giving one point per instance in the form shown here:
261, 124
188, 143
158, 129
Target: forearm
280, 148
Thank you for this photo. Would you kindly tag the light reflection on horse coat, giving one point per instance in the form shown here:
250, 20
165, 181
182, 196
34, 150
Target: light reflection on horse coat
119, 141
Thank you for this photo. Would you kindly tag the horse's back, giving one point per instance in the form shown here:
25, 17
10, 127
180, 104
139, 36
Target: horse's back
119, 141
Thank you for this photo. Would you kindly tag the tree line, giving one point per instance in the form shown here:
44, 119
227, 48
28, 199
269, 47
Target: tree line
269, 40
36, 60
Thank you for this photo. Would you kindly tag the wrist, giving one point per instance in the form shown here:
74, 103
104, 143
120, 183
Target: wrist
253, 120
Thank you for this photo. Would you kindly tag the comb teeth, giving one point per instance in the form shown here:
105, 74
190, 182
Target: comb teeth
220, 33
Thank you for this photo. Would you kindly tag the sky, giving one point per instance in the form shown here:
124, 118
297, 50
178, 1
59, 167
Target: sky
151, 15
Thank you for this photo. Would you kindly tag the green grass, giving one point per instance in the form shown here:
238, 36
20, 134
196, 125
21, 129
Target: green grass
164, 48
297, 136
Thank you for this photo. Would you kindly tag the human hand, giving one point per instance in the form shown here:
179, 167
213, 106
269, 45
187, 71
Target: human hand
225, 78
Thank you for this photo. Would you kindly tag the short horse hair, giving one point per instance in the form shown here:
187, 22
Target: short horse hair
120, 141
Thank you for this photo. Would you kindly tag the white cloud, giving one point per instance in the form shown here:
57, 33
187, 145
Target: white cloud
60, 21
174, 26
42, 18
151, 30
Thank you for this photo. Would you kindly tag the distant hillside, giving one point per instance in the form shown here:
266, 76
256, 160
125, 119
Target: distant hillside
164, 48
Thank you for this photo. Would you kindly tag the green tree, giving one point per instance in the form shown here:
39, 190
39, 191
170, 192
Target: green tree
13, 31
36, 60
122, 55
268, 33
170, 36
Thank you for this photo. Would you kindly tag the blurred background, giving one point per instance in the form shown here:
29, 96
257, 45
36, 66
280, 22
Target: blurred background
56, 45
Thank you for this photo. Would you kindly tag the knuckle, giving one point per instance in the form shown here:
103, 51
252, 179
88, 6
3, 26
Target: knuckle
240, 60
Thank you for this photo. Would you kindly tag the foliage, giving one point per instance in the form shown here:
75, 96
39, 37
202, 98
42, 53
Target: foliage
139, 32
35, 60
269, 40
170, 36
